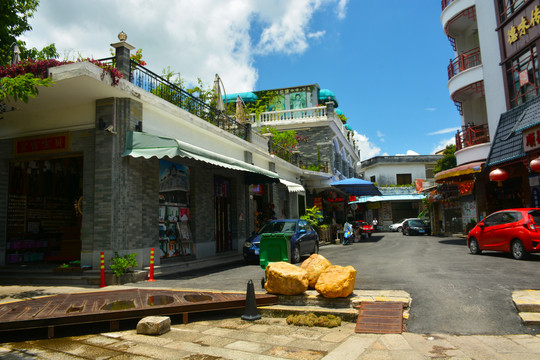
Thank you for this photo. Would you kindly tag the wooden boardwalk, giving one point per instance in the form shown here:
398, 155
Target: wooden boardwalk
115, 305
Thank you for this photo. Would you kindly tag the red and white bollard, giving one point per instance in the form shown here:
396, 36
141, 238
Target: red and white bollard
151, 278
102, 270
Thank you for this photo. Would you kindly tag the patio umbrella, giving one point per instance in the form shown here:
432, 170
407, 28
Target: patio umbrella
239, 110
219, 96
356, 187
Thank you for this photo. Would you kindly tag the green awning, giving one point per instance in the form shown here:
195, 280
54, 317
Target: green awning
145, 145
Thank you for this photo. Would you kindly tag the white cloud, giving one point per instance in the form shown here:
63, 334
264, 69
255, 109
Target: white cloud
409, 152
316, 35
380, 134
341, 9
442, 144
196, 38
445, 131
430, 109
367, 148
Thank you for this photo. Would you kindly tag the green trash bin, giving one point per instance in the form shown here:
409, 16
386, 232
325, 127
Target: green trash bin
273, 248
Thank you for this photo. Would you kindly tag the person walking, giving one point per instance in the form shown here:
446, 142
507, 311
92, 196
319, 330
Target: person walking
375, 223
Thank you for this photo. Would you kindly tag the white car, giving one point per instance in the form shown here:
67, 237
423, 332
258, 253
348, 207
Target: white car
399, 225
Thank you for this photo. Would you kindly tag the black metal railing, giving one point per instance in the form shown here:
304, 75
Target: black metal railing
157, 85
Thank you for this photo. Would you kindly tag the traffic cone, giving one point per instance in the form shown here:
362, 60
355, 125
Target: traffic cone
251, 314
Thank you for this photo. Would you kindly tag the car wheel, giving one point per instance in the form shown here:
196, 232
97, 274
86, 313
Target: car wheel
295, 255
473, 247
518, 250
368, 235
316, 248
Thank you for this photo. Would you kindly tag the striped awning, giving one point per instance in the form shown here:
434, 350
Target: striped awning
460, 170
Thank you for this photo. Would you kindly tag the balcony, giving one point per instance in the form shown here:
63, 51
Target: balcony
472, 135
445, 3
284, 118
458, 18
465, 61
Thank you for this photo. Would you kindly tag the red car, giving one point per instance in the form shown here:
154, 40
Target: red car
364, 229
513, 231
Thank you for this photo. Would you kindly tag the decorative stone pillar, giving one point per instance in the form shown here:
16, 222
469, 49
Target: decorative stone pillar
122, 54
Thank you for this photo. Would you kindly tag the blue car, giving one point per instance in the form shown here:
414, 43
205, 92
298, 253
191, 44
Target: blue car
304, 239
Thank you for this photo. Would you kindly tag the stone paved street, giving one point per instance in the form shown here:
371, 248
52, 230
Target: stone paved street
229, 337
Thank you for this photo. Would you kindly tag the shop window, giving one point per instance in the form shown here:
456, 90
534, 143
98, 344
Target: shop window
522, 77
372, 179
508, 7
403, 179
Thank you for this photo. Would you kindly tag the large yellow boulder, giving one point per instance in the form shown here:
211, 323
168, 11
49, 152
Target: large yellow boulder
336, 281
315, 265
285, 279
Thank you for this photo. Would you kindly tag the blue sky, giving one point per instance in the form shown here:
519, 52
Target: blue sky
385, 61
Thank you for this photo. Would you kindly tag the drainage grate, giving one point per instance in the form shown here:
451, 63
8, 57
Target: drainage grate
380, 318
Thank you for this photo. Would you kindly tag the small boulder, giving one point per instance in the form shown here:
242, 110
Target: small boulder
315, 265
154, 325
336, 281
285, 279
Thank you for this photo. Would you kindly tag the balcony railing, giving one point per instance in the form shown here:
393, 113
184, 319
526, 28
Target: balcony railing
445, 3
155, 84
270, 118
472, 135
463, 62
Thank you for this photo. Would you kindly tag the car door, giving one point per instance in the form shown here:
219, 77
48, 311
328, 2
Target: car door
485, 236
304, 241
504, 231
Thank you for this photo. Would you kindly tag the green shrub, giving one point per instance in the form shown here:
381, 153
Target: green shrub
311, 320
121, 264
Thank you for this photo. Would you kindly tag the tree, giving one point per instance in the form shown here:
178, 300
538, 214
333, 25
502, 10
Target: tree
13, 23
448, 160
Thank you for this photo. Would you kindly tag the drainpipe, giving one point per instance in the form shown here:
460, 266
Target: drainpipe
122, 54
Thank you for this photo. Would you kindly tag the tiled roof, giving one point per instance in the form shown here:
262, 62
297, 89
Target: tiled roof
508, 144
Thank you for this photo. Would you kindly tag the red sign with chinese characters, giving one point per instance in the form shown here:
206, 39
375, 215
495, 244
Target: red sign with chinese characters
531, 138
43, 144
317, 201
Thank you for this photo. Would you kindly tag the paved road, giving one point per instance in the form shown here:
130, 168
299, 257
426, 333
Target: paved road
452, 291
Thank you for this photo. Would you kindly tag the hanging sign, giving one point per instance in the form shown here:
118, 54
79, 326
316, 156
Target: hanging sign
531, 138
42, 144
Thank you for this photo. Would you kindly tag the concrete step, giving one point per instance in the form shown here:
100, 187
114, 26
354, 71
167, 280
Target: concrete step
527, 300
313, 298
312, 301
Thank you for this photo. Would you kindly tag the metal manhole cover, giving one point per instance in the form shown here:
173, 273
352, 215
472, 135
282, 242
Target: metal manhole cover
380, 318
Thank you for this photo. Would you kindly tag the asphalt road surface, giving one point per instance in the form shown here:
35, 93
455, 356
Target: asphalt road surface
452, 291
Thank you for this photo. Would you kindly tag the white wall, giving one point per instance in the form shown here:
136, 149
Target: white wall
386, 174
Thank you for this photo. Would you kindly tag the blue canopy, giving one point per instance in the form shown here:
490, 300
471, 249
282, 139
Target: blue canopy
245, 96
348, 127
326, 95
338, 111
356, 187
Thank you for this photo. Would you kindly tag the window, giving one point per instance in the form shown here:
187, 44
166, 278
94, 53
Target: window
508, 7
372, 179
403, 179
522, 77
492, 220
429, 171
510, 217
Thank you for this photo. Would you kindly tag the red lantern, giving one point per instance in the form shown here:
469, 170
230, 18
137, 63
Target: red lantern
498, 175
535, 165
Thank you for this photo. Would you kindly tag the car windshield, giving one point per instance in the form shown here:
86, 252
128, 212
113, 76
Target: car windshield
416, 223
273, 227
363, 223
